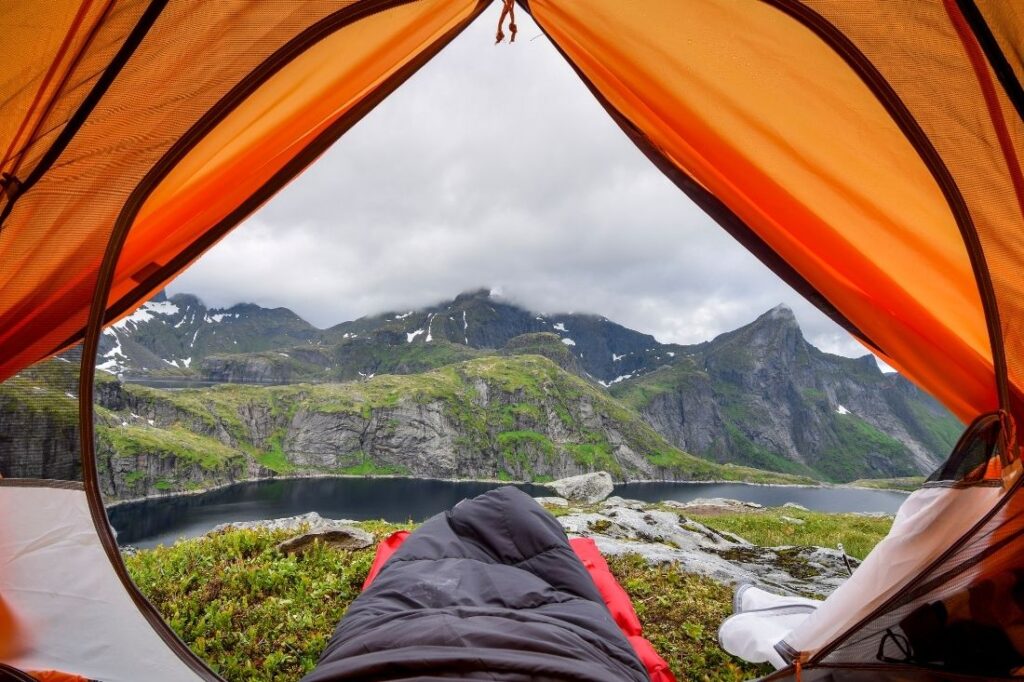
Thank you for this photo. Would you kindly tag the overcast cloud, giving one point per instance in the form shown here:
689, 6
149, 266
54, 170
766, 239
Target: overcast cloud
494, 166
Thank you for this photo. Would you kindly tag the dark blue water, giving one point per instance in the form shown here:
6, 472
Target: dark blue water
164, 520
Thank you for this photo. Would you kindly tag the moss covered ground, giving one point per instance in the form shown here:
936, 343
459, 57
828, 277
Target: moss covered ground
256, 614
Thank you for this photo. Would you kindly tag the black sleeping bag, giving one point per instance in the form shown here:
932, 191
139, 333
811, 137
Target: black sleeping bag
490, 590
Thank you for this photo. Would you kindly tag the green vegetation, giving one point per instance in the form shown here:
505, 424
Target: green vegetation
640, 392
544, 344
908, 483
251, 612
47, 389
680, 613
521, 413
849, 458
775, 527
255, 614
185, 446
753, 454
523, 446
274, 458
941, 430
524, 392
407, 358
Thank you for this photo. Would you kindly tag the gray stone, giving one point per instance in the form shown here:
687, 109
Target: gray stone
794, 521
666, 537
616, 501
311, 521
338, 537
724, 504
587, 488
794, 505
552, 501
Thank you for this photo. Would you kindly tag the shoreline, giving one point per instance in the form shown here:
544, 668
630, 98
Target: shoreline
314, 475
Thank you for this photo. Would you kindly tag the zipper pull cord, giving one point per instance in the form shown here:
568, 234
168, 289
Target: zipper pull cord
9, 185
507, 9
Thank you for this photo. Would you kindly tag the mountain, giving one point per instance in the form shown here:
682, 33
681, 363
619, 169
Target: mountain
180, 336
763, 396
605, 350
497, 417
760, 396
168, 336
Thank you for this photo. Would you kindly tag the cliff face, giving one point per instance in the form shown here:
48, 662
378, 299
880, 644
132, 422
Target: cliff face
603, 397
762, 396
518, 417
39, 423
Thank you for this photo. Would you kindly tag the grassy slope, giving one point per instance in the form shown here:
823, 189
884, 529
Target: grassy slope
908, 483
353, 358
48, 388
775, 527
255, 614
511, 430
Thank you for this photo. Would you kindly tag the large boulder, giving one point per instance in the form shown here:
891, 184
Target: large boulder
587, 488
337, 537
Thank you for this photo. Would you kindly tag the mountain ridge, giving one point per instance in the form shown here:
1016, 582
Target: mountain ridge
760, 395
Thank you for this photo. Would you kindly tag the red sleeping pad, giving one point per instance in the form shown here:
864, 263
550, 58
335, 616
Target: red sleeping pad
615, 598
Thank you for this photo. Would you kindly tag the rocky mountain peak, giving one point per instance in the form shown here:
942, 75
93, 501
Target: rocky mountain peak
779, 316
483, 293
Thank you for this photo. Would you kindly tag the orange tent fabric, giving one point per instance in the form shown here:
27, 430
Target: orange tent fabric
213, 138
842, 162
868, 151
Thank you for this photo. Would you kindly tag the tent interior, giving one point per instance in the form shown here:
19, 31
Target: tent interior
868, 153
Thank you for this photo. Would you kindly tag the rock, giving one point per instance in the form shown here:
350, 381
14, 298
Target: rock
552, 501
616, 501
796, 403
794, 505
665, 536
794, 521
587, 488
312, 521
337, 537
714, 505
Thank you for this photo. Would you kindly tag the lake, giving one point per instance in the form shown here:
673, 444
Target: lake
163, 520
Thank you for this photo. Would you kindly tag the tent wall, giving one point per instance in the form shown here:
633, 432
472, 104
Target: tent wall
298, 74
924, 527
755, 108
61, 607
954, 95
240, 97
869, 154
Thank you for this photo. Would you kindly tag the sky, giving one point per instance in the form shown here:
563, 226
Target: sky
495, 167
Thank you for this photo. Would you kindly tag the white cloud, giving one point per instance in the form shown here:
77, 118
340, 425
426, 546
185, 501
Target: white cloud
494, 166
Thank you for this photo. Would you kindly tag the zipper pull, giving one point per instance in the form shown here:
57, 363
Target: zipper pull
508, 9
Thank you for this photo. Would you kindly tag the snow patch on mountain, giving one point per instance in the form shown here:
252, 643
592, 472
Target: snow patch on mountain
616, 380
147, 312
115, 357
430, 333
